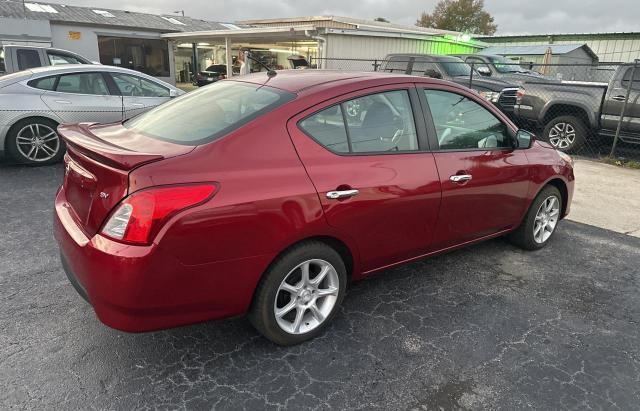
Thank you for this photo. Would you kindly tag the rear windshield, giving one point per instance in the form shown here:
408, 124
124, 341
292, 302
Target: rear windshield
208, 113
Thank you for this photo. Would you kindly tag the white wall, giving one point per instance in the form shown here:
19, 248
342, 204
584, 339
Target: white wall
25, 32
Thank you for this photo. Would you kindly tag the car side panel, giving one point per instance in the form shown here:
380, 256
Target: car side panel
16, 106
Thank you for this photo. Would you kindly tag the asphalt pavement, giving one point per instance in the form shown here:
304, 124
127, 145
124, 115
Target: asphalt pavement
489, 326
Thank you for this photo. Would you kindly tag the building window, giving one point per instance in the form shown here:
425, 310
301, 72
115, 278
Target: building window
148, 56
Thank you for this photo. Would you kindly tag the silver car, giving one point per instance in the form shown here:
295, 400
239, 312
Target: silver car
33, 103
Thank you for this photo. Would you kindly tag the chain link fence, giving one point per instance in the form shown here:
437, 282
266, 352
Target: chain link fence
590, 110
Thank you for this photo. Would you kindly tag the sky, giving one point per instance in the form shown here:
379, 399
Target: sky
512, 16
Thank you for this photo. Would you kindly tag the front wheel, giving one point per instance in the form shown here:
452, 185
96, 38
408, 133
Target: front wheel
300, 294
541, 220
566, 133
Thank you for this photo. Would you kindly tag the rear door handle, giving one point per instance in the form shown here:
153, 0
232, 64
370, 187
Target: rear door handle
137, 104
460, 178
618, 98
335, 195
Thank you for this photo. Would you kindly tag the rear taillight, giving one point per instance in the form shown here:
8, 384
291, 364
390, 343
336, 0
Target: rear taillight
139, 217
519, 95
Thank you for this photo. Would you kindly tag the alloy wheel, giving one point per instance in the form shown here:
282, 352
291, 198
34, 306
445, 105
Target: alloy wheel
546, 219
562, 135
306, 296
38, 142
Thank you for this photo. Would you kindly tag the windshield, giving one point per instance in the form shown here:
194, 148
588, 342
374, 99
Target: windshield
505, 65
209, 113
456, 68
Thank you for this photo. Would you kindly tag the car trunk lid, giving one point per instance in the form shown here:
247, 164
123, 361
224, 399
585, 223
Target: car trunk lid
97, 165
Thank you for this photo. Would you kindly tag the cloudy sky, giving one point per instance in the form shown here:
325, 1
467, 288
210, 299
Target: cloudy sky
512, 16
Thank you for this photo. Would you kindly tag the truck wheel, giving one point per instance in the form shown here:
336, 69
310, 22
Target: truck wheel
566, 133
35, 141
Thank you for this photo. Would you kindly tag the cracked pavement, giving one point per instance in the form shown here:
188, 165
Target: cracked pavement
489, 326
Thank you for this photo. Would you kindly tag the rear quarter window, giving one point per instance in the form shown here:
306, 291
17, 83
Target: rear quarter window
46, 83
207, 114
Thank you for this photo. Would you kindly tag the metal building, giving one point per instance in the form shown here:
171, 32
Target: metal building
609, 47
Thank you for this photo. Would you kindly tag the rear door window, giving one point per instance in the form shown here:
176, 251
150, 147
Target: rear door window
209, 113
636, 79
56, 59
83, 83
375, 123
28, 59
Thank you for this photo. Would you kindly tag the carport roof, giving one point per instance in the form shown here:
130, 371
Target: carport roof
251, 34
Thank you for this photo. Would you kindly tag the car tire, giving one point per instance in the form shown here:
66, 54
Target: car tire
302, 312
539, 218
35, 141
566, 133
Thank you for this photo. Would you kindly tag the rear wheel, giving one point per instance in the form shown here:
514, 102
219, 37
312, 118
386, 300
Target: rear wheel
566, 133
35, 141
300, 294
541, 220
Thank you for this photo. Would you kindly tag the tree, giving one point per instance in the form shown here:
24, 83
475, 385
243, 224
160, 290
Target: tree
466, 16
382, 19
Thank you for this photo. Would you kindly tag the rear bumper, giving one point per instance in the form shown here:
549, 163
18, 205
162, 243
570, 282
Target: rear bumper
144, 288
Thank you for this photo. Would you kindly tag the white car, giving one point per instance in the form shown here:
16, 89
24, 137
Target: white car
34, 102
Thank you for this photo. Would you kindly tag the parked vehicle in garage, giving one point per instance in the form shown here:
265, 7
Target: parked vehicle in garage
260, 196
17, 58
570, 113
212, 74
499, 92
495, 66
34, 102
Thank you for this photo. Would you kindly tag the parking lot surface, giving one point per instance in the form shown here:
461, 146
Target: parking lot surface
489, 326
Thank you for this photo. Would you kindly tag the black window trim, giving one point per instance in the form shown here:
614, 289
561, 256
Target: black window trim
418, 119
431, 127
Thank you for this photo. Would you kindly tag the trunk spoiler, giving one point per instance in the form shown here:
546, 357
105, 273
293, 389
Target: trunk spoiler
116, 146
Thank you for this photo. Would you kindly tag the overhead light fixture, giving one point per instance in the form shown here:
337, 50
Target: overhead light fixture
203, 44
281, 51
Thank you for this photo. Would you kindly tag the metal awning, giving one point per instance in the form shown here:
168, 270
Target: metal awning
245, 35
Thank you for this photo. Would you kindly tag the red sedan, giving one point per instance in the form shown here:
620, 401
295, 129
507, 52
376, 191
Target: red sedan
267, 195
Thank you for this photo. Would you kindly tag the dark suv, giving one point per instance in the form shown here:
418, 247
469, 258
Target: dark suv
499, 92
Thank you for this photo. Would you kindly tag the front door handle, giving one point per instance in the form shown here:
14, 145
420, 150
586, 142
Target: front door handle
335, 195
619, 98
460, 178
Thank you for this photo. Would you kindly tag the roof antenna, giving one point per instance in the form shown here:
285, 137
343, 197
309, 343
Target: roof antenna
270, 72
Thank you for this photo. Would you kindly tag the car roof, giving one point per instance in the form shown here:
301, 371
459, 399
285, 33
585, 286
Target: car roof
75, 68
296, 81
428, 57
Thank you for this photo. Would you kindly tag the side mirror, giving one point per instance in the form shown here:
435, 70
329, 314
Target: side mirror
174, 93
484, 70
432, 73
524, 139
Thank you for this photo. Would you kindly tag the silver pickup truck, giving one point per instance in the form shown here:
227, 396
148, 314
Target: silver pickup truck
18, 58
